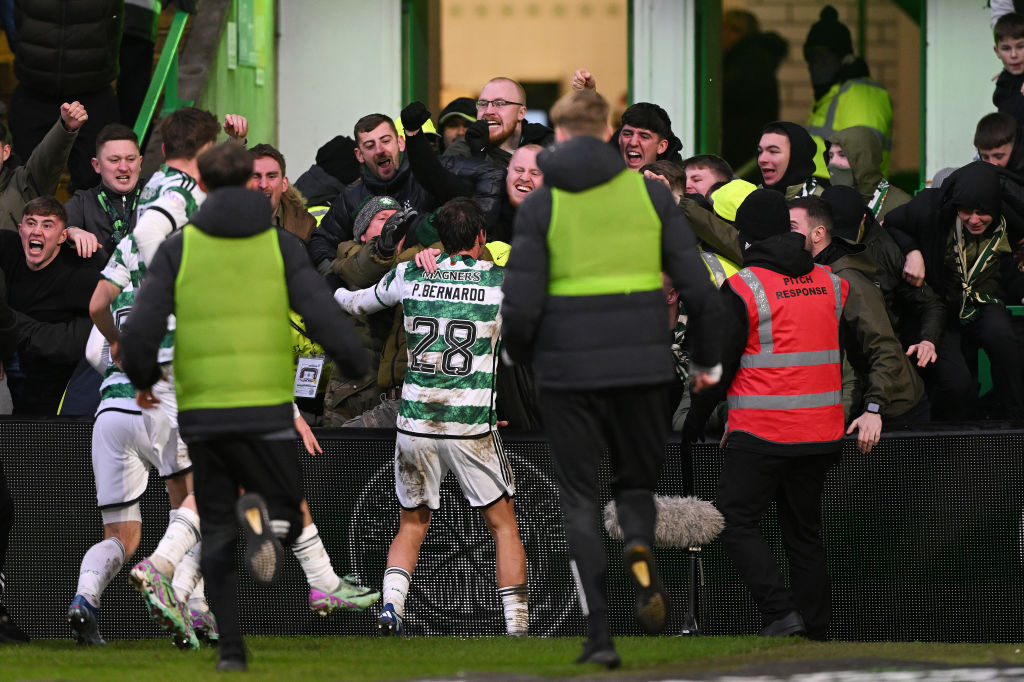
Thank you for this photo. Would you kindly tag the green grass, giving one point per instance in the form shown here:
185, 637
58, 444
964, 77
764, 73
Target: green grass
360, 658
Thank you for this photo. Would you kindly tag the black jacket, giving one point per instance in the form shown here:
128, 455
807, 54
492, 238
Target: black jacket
85, 212
8, 331
318, 186
1007, 96
605, 341
336, 227
67, 48
235, 212
448, 177
532, 133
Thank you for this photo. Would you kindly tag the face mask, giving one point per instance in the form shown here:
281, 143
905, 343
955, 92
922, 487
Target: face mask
841, 176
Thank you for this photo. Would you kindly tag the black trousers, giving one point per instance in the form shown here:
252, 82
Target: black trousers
953, 389
750, 482
221, 465
632, 424
33, 114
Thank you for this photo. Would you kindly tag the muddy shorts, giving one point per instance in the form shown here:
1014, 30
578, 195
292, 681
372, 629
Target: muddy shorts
480, 465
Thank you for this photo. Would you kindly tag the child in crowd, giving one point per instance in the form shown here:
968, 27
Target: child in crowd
1009, 47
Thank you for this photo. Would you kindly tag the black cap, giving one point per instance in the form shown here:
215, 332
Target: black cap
762, 214
460, 107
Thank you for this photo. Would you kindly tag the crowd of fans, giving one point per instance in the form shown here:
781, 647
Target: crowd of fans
947, 262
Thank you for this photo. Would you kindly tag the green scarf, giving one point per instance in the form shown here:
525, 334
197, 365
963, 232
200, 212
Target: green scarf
970, 299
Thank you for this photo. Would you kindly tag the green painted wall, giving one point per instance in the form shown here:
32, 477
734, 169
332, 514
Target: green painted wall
243, 77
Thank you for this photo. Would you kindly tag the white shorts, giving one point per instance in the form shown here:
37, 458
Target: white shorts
480, 465
124, 446
163, 390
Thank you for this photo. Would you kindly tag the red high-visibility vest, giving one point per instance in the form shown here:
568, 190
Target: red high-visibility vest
789, 387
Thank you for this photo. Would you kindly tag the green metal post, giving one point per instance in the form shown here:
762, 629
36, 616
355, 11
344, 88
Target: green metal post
166, 68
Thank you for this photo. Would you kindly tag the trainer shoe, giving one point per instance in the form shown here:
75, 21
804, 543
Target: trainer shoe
389, 623
651, 599
205, 626
164, 607
263, 551
185, 639
82, 618
349, 595
9, 632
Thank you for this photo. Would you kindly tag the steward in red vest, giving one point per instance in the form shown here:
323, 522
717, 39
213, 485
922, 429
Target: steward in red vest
782, 377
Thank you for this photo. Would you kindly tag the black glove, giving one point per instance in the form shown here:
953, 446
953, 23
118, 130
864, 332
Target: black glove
190, 6
414, 116
395, 228
338, 157
478, 137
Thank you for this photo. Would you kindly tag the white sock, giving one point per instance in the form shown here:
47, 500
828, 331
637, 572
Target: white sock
197, 600
309, 549
99, 566
517, 615
182, 532
396, 586
187, 573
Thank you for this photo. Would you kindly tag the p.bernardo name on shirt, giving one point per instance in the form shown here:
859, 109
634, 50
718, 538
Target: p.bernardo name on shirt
476, 294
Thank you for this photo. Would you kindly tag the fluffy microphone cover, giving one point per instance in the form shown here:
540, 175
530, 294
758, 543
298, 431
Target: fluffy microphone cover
681, 521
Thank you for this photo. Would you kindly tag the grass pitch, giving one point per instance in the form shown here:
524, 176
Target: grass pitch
362, 658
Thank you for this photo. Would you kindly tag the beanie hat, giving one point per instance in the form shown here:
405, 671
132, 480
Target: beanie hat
848, 210
762, 214
460, 107
727, 198
372, 207
830, 34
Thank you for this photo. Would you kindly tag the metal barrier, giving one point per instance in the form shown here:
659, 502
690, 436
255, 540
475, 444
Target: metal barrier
924, 538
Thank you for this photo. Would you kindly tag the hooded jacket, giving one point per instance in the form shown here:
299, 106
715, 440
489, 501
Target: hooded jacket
605, 340
864, 150
235, 213
884, 373
798, 180
926, 222
336, 227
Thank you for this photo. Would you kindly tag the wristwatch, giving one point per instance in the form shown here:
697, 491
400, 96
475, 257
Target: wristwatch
873, 408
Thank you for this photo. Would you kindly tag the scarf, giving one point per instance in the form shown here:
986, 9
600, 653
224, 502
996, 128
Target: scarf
970, 299
118, 220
